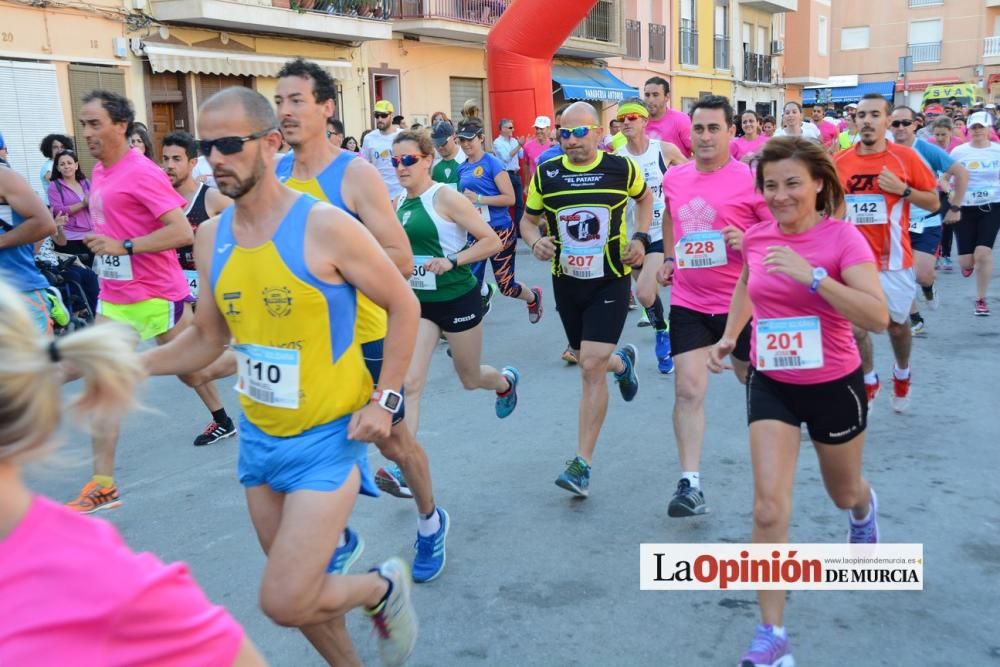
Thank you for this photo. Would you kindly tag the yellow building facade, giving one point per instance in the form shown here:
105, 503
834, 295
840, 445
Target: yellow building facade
701, 41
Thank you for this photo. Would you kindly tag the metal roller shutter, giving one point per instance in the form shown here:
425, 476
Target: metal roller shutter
29, 109
471, 89
82, 80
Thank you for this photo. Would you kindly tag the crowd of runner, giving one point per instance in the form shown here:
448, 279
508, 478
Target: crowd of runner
324, 279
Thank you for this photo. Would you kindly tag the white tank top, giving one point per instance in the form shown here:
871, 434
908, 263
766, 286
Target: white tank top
653, 168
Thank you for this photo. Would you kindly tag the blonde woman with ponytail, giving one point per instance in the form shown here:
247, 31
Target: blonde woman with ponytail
71, 591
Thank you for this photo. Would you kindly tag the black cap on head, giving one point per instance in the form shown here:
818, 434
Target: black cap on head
441, 132
469, 129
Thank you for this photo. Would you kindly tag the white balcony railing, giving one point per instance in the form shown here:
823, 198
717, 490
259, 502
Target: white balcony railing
991, 47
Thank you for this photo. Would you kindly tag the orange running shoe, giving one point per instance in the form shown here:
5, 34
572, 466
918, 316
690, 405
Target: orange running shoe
872, 391
94, 498
900, 394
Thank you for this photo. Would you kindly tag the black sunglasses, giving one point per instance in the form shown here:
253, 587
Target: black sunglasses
230, 145
902, 123
379, 114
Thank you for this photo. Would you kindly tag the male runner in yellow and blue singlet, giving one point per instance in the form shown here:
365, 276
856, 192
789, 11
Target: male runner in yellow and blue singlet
305, 101
280, 270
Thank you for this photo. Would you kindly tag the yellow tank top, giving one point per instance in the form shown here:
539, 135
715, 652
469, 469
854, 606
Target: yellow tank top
300, 361
372, 322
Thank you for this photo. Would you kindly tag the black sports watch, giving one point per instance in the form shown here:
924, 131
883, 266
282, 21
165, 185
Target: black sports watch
453, 258
907, 192
127, 244
954, 209
642, 237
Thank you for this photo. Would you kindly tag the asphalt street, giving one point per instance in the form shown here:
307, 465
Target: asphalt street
535, 577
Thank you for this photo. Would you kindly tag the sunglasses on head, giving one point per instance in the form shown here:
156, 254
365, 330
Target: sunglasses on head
379, 114
579, 132
406, 160
902, 123
230, 145
628, 117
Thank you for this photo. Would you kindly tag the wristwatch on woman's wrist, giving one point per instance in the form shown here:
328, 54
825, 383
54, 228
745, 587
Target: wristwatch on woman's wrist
453, 258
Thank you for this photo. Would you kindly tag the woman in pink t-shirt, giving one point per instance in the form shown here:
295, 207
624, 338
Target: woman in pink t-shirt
807, 278
747, 147
71, 591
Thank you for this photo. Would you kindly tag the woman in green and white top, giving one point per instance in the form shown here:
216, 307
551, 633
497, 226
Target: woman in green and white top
438, 222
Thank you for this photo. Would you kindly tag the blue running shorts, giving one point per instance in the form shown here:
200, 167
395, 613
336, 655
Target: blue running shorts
319, 459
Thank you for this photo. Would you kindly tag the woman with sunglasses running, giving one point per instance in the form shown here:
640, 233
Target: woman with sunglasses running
484, 182
439, 223
977, 230
807, 278
73, 592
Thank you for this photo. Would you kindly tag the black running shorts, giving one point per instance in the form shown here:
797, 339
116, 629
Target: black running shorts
457, 315
978, 227
691, 330
593, 310
835, 412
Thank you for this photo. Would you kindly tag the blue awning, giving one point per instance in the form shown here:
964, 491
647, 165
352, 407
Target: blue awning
845, 94
589, 83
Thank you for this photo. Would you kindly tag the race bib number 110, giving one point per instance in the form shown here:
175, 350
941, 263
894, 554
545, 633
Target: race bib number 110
268, 375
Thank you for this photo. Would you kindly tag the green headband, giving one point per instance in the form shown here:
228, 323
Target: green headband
633, 108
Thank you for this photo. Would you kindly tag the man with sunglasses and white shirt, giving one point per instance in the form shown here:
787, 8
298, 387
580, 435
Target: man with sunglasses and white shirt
583, 196
377, 146
139, 223
653, 157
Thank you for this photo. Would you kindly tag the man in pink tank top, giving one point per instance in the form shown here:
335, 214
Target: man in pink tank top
139, 223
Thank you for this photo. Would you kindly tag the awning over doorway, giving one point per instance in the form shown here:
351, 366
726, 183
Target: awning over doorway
590, 83
169, 58
849, 93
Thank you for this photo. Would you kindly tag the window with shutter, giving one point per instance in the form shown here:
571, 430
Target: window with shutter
30, 108
82, 80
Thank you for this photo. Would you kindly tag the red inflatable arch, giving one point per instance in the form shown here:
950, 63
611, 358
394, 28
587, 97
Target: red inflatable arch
519, 52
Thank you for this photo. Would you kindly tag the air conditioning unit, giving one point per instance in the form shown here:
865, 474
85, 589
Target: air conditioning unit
777, 47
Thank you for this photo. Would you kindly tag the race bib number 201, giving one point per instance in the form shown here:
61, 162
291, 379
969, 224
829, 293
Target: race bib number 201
268, 375
789, 343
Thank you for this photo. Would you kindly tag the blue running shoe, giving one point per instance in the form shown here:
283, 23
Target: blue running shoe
628, 381
576, 478
865, 532
507, 402
344, 557
664, 362
428, 564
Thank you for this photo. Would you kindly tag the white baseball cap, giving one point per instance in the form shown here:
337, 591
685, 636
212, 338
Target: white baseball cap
979, 118
543, 122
